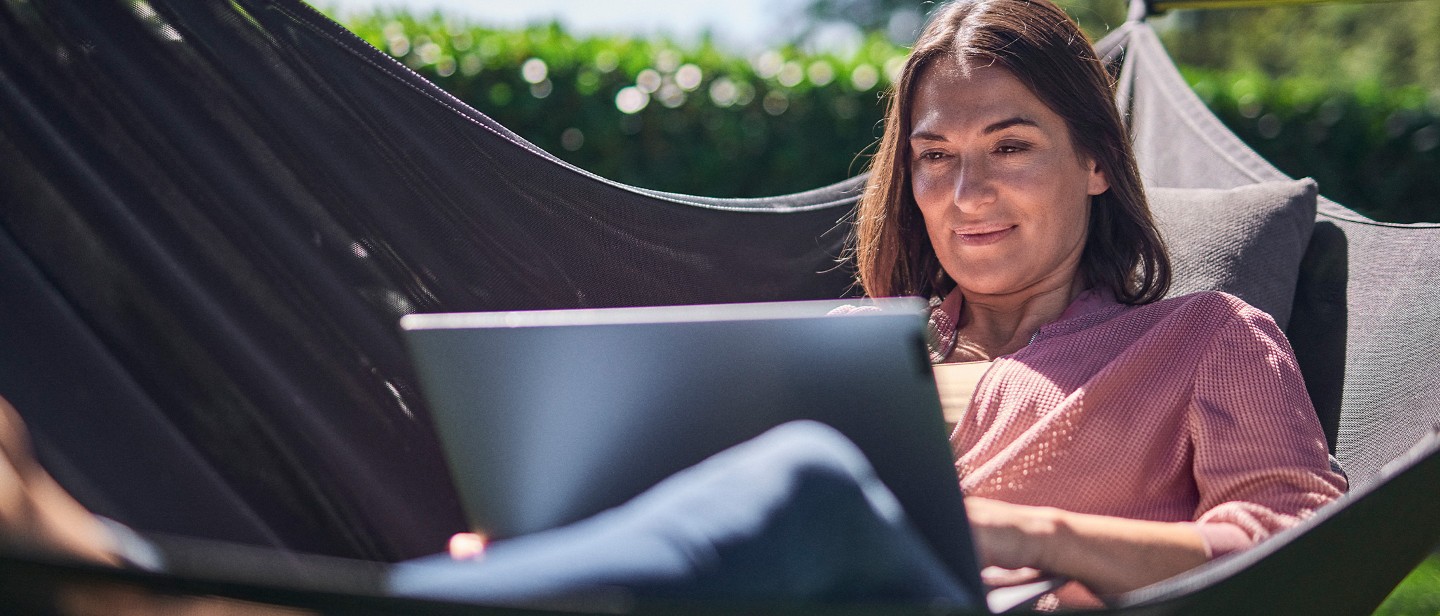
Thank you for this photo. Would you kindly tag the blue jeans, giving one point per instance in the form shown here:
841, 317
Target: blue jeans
795, 514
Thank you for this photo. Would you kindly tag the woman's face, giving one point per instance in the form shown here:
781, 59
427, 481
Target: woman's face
1004, 193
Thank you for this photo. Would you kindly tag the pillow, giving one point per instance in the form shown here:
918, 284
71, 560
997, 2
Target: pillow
1245, 241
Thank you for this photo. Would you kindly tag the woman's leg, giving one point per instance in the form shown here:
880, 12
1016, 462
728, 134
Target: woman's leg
795, 514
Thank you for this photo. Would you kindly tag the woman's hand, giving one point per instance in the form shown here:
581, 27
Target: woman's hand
466, 546
1109, 555
34, 509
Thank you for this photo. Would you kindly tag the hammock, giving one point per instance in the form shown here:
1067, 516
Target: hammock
213, 213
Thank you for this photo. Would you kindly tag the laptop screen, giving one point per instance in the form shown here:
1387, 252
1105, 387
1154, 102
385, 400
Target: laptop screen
548, 417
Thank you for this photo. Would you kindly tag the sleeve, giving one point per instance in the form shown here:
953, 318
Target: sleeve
1260, 459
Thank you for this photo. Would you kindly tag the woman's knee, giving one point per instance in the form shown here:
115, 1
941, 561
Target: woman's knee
808, 447
819, 458
796, 466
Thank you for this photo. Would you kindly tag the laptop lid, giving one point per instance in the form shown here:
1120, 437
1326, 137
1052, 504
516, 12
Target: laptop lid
549, 417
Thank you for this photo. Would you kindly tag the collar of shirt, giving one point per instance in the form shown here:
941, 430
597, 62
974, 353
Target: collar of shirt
945, 318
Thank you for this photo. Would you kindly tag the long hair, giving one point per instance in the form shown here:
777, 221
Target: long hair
1041, 46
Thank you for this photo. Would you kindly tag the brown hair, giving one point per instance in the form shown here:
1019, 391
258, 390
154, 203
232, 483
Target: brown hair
1039, 44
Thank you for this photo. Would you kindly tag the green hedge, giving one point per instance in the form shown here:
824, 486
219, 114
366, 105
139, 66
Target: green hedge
711, 123
693, 119
1371, 148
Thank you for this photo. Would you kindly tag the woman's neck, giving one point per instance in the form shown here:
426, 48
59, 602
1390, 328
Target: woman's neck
995, 325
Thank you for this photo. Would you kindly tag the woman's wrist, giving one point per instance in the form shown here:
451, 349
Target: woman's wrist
1049, 531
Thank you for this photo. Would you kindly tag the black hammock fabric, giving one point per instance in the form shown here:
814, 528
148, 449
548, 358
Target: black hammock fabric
212, 214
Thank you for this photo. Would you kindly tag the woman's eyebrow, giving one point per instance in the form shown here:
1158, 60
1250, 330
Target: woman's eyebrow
1007, 123
925, 135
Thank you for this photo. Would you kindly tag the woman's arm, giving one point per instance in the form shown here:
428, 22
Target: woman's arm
1109, 555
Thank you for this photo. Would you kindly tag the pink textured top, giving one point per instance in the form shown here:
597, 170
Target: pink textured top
1187, 409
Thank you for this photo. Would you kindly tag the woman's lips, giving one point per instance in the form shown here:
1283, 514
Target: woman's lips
983, 236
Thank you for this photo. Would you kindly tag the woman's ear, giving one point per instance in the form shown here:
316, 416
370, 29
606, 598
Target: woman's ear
1098, 183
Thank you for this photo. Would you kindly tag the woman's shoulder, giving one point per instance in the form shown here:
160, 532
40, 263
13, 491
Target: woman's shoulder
1198, 316
1211, 306
1200, 311
1224, 320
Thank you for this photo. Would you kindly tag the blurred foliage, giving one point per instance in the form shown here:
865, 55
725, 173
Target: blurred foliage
901, 20
1346, 93
866, 15
1418, 595
1388, 44
698, 120
1371, 148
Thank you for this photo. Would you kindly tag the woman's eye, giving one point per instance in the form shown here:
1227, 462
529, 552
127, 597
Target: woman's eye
1010, 148
931, 155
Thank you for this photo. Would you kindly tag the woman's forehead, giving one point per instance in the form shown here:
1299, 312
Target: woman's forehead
950, 96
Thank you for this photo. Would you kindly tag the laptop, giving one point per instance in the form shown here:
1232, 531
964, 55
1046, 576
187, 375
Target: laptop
549, 417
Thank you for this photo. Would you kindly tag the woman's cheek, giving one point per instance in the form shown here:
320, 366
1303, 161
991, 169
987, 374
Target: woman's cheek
931, 211
921, 185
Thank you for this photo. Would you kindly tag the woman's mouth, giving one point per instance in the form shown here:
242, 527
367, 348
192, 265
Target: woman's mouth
983, 235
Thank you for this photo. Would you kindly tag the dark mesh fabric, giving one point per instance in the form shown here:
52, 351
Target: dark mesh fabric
1366, 304
214, 214
1364, 329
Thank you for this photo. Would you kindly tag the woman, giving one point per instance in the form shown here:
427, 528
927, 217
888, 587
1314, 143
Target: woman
1117, 438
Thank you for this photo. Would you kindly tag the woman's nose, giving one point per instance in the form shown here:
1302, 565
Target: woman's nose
972, 187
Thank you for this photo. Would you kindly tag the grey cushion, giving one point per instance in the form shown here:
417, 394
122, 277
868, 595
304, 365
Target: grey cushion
1245, 241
